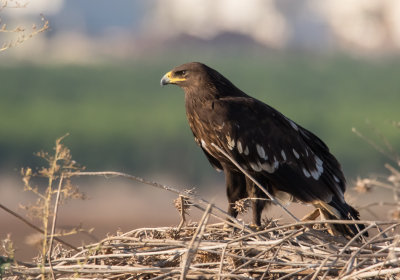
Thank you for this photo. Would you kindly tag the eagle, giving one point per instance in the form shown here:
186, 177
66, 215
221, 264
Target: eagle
286, 159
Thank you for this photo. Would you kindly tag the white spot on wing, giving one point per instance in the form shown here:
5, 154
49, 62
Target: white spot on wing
246, 151
336, 179
261, 152
293, 125
231, 142
296, 154
239, 147
203, 143
255, 166
306, 173
319, 164
268, 167
283, 155
319, 169
276, 163
315, 174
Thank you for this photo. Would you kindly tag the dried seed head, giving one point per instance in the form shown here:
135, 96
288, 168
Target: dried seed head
182, 203
242, 205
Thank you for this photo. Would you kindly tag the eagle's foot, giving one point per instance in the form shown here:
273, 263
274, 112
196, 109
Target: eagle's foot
329, 227
255, 227
318, 212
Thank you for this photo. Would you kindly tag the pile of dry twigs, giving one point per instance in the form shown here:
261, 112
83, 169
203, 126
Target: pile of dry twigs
301, 250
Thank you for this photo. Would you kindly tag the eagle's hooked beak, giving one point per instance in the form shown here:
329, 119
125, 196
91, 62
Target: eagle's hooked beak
166, 79
170, 79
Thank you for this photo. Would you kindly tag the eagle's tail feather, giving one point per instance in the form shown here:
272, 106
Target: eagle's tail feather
342, 211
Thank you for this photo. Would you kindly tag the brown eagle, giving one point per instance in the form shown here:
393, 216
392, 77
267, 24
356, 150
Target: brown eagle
280, 154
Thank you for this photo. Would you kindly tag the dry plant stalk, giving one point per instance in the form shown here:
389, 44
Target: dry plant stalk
20, 34
58, 189
182, 204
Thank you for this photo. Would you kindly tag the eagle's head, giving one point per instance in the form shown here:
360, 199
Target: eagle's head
187, 75
201, 80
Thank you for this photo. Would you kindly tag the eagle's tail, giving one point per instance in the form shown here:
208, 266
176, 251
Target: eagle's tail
337, 210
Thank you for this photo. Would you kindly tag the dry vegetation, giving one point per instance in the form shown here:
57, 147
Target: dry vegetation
202, 250
15, 36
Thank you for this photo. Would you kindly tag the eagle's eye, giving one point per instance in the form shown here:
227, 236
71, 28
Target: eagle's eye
180, 73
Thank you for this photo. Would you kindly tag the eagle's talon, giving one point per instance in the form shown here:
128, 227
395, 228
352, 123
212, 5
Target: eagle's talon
255, 227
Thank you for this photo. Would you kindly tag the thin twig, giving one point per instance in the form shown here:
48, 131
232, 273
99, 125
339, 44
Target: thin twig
35, 227
222, 261
373, 144
53, 226
195, 242
182, 212
231, 221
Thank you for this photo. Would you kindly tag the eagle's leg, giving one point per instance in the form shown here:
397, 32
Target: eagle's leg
330, 227
235, 189
258, 205
258, 201
319, 212
312, 216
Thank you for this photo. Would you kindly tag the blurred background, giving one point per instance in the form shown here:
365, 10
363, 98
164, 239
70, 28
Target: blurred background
329, 65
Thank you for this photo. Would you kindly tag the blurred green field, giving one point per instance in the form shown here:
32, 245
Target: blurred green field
120, 118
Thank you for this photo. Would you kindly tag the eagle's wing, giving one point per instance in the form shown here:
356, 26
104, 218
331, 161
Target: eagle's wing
273, 148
